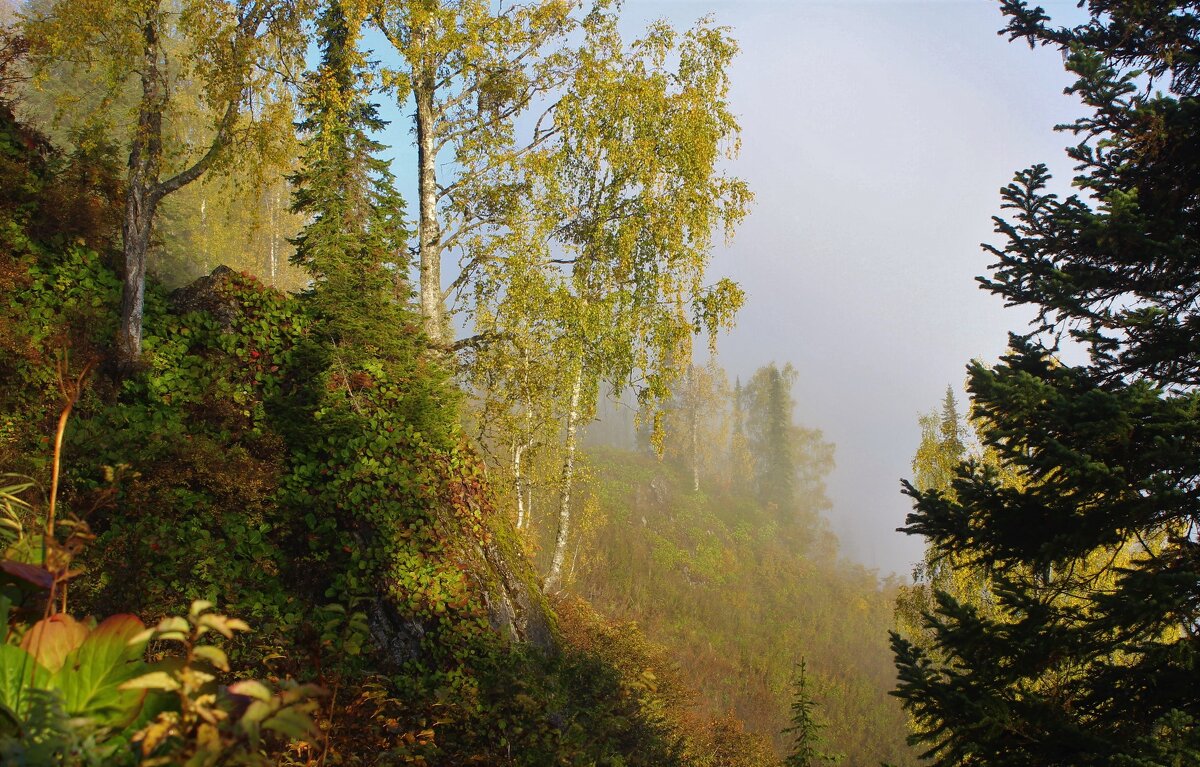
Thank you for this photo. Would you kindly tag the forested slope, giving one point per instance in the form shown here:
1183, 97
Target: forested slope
239, 525
327, 499
738, 599
719, 550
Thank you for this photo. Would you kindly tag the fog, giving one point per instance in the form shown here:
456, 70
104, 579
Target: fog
876, 137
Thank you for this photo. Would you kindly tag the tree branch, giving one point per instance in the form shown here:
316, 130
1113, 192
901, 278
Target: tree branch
479, 339
222, 139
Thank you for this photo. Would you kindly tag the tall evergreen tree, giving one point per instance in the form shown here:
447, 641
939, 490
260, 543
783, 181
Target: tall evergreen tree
807, 749
740, 466
1093, 657
941, 450
942, 447
772, 437
354, 244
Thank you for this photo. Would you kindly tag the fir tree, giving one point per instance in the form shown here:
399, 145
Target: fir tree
807, 748
1092, 654
772, 436
354, 243
741, 460
942, 436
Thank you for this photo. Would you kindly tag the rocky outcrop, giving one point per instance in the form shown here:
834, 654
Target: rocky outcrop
508, 585
205, 295
516, 606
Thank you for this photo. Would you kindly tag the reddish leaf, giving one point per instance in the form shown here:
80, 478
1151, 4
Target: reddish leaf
50, 640
38, 576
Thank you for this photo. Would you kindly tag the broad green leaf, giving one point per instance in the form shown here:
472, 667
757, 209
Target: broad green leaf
221, 624
91, 677
198, 607
18, 672
251, 688
171, 625
10, 724
173, 636
214, 655
292, 722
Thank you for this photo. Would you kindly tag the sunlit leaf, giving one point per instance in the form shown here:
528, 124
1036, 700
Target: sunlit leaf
50, 640
251, 688
214, 655
91, 677
155, 680
18, 672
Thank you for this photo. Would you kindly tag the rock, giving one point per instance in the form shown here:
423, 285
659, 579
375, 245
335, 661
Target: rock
398, 638
514, 609
205, 295
515, 604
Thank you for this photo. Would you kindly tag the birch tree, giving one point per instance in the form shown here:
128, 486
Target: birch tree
604, 262
697, 423
470, 72
234, 51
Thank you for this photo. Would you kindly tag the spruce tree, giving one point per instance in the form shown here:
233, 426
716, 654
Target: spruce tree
772, 437
1091, 655
741, 459
354, 245
807, 749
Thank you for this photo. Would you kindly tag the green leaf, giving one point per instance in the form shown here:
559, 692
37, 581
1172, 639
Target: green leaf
292, 722
214, 655
198, 607
221, 624
91, 677
172, 625
251, 688
155, 680
18, 672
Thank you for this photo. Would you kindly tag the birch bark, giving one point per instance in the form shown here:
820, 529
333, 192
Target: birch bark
554, 577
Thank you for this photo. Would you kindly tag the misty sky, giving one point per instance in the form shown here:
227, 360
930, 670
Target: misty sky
876, 136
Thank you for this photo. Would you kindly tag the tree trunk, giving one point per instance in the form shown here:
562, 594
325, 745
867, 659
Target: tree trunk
695, 446
528, 504
142, 196
204, 244
518, 484
428, 233
274, 234
554, 578
146, 188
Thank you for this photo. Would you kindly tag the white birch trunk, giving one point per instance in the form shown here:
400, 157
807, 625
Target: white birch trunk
274, 234
428, 233
518, 485
554, 578
204, 240
695, 448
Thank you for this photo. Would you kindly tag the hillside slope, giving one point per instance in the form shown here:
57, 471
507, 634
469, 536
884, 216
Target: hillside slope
324, 495
739, 598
